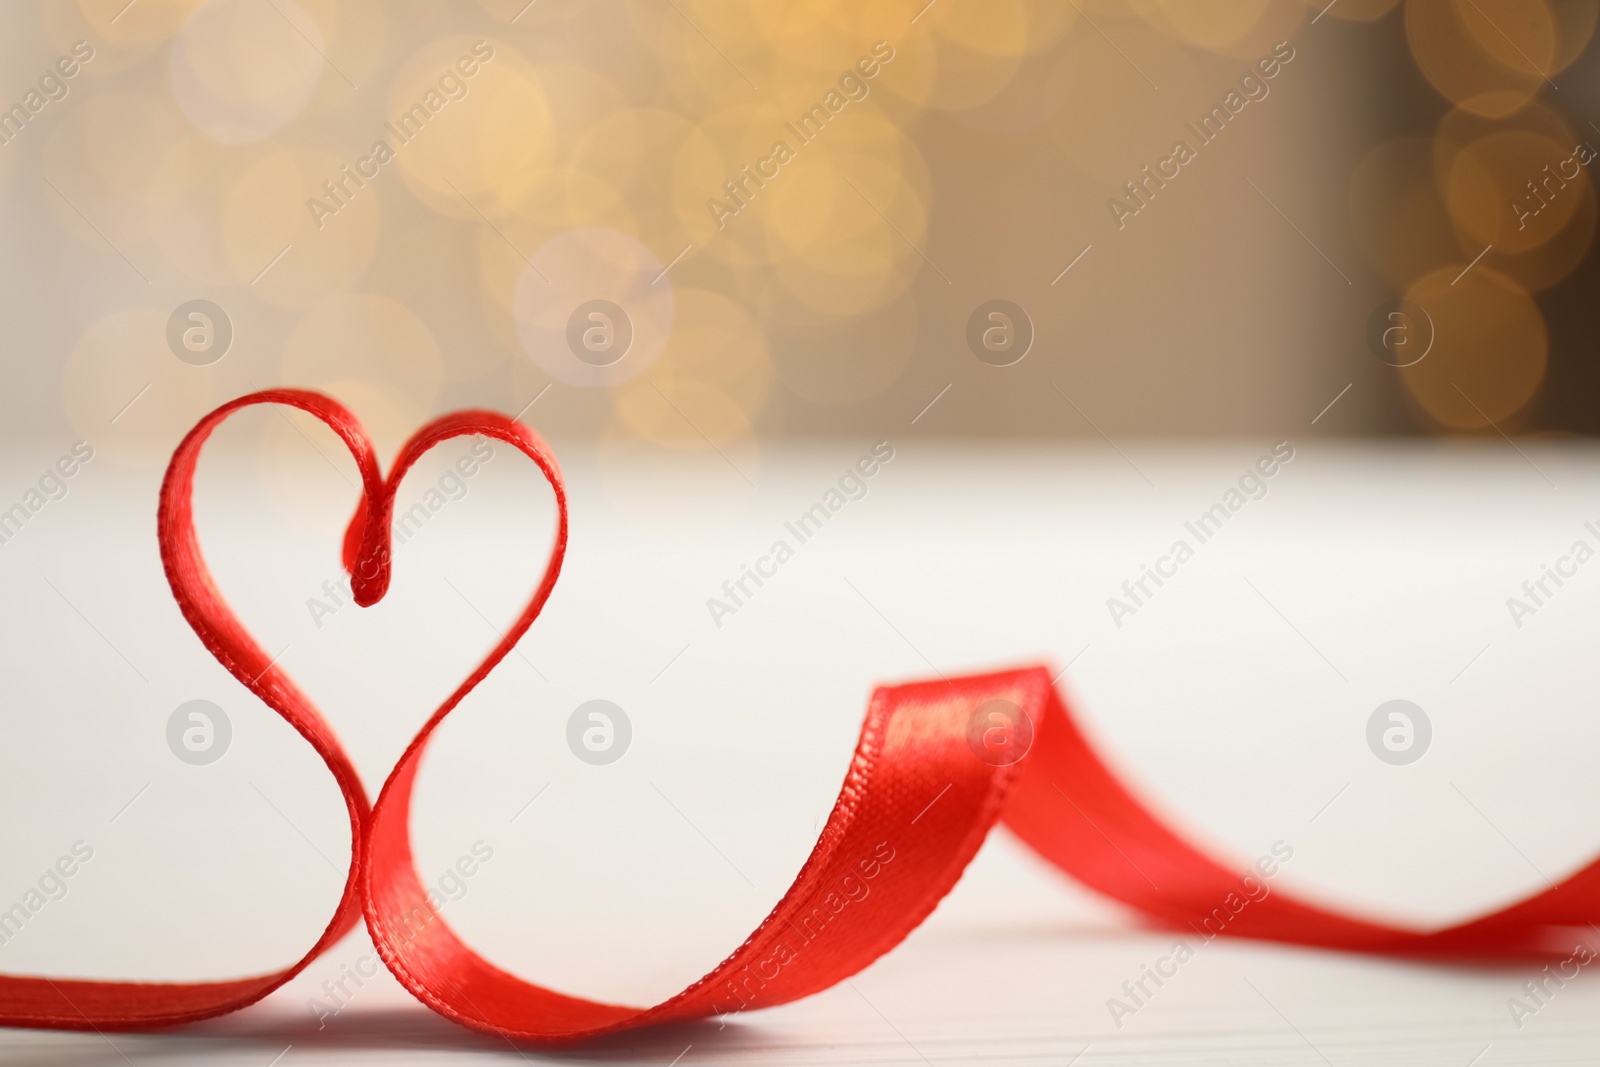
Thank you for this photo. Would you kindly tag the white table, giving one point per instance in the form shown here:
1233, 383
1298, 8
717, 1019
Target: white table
1236, 700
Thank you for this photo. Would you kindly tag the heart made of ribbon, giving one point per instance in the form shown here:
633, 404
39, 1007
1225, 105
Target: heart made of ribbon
937, 764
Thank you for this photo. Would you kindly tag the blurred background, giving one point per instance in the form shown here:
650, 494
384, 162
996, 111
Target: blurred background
1389, 197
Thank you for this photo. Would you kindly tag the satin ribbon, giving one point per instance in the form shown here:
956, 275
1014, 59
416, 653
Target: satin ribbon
916, 804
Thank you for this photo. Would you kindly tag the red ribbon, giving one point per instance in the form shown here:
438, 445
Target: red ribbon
916, 804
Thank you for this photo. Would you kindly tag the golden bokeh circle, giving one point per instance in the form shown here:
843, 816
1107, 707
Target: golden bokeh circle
282, 236
1462, 126
1449, 55
932, 71
1397, 211
1575, 24
843, 223
106, 153
1541, 267
721, 173
188, 188
469, 126
709, 52
126, 26
1512, 190
1490, 348
621, 176
1534, 266
846, 243
579, 266
1519, 34
586, 100
242, 69
715, 366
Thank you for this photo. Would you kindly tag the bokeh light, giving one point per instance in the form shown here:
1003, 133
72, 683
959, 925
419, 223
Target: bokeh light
1398, 213
469, 127
781, 200
286, 253
137, 26
241, 69
108, 151
1490, 348
1447, 39
571, 271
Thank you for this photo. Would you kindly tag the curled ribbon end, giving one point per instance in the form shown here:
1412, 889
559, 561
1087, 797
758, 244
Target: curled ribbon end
369, 591
369, 577
365, 555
